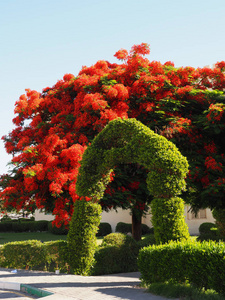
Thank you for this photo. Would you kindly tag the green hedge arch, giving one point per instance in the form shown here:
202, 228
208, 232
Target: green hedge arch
129, 141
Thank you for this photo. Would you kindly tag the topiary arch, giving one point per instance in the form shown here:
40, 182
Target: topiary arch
129, 141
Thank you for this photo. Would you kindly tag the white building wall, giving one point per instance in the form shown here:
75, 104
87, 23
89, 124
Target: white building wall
112, 217
39, 216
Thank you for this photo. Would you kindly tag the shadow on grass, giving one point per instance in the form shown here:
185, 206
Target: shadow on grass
182, 291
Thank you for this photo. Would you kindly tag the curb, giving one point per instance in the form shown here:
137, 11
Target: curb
25, 288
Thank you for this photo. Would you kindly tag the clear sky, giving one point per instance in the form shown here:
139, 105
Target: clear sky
41, 40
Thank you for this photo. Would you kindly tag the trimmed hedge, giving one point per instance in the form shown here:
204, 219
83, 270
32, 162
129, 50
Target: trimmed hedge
104, 229
25, 254
82, 240
55, 230
202, 264
23, 226
219, 215
129, 141
208, 231
117, 254
147, 241
168, 220
206, 227
34, 255
127, 227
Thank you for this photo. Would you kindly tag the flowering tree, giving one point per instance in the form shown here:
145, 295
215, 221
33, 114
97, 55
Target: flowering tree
53, 129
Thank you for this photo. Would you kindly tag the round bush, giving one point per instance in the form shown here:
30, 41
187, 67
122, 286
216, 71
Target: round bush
206, 228
104, 229
127, 227
117, 254
123, 227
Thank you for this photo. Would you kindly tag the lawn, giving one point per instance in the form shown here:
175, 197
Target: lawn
6, 237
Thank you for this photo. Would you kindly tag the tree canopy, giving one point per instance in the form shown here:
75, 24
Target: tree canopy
54, 127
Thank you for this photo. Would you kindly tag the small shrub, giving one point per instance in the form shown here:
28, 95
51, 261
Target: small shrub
206, 227
208, 231
104, 229
55, 230
147, 241
23, 254
201, 264
123, 227
126, 228
117, 254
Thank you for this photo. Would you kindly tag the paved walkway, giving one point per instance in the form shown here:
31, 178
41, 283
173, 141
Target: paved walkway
70, 287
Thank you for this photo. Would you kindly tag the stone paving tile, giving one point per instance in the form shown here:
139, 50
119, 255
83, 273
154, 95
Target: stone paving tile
65, 286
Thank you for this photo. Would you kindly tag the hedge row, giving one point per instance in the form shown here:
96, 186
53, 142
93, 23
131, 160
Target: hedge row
23, 226
117, 254
127, 227
201, 264
34, 255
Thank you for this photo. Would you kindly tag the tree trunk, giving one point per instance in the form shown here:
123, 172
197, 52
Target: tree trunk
136, 227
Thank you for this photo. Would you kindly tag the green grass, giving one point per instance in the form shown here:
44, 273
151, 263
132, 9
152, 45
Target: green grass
182, 291
6, 237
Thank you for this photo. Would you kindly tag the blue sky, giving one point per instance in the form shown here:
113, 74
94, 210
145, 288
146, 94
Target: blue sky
41, 40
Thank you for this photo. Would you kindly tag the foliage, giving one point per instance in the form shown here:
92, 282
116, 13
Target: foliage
183, 291
219, 215
57, 230
23, 226
6, 237
23, 254
201, 264
208, 231
123, 227
34, 255
53, 128
168, 219
57, 255
104, 229
125, 141
127, 227
117, 254
206, 227
6, 226
147, 241
82, 236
